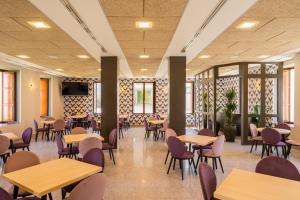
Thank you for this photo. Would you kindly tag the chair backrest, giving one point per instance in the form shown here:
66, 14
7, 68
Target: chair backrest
170, 132
78, 130
20, 160
4, 144
270, 136
69, 122
166, 124
218, 145
89, 143
206, 132
176, 147
279, 167
94, 156
36, 126
59, 124
26, 135
146, 124
283, 126
112, 136
253, 130
94, 124
91, 188
59, 143
208, 181
5, 195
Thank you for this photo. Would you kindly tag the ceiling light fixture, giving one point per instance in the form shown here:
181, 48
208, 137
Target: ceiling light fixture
144, 56
263, 56
143, 24
204, 56
23, 56
247, 25
83, 56
39, 24
59, 69
144, 69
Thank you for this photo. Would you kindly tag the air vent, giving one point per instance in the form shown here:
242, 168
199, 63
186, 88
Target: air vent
76, 16
205, 23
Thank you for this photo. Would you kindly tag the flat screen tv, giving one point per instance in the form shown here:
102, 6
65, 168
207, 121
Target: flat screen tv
75, 88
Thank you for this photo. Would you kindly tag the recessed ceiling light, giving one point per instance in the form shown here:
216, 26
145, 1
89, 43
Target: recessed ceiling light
144, 56
23, 56
144, 69
263, 56
99, 69
204, 56
38, 24
59, 69
247, 25
187, 69
83, 56
143, 24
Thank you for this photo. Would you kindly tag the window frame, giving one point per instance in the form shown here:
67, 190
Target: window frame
193, 97
289, 95
154, 96
15, 97
94, 83
48, 99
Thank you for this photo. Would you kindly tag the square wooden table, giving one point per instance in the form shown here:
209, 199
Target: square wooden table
247, 185
11, 136
279, 130
156, 122
197, 139
75, 138
47, 177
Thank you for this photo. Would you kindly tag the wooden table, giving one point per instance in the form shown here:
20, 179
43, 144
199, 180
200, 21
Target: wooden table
47, 177
197, 139
78, 116
69, 139
246, 185
48, 122
11, 136
156, 122
279, 130
123, 116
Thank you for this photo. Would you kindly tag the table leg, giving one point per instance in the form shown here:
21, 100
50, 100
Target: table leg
15, 192
44, 197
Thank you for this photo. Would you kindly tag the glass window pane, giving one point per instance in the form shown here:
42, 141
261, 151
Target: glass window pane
97, 97
138, 95
189, 97
148, 97
8, 97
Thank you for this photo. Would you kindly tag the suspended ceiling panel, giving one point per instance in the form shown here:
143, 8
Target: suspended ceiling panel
122, 16
17, 37
277, 31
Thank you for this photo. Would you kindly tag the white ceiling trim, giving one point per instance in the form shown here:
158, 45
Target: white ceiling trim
194, 15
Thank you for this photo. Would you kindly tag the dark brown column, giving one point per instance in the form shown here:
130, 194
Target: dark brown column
109, 92
177, 78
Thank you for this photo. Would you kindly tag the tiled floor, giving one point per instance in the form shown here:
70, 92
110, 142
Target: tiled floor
140, 172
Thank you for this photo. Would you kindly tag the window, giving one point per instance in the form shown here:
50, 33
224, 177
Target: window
288, 94
7, 96
143, 98
44, 97
97, 97
189, 97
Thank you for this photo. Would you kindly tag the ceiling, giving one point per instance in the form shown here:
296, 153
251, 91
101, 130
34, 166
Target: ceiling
51, 48
277, 31
122, 16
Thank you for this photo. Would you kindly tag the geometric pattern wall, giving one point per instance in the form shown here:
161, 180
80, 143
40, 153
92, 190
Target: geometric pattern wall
254, 94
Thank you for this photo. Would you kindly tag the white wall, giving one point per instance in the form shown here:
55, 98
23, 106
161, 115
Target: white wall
28, 98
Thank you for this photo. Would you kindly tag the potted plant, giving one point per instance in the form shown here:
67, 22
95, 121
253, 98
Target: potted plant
229, 109
256, 119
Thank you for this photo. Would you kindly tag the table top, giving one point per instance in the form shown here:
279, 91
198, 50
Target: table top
123, 116
11, 136
48, 121
197, 139
280, 130
78, 137
156, 122
77, 116
247, 185
52, 175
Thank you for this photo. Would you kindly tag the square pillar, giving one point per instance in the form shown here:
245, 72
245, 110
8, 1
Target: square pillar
177, 79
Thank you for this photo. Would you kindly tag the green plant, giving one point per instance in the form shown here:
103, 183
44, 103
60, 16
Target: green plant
230, 106
206, 103
256, 109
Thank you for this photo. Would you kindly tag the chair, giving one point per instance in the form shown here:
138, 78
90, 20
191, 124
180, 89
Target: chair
17, 161
283, 126
271, 138
208, 181
95, 127
169, 132
88, 144
254, 136
215, 152
111, 143
179, 152
26, 137
91, 188
94, 156
203, 132
78, 130
58, 128
40, 130
162, 130
127, 121
69, 125
149, 129
279, 167
6, 196
65, 151
121, 126
290, 143
4, 148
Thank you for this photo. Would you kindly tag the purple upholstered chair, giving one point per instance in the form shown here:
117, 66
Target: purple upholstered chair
4, 148
6, 196
26, 137
87, 144
39, 130
69, 125
58, 128
95, 127
271, 138
111, 143
203, 132
169, 132
65, 151
179, 152
149, 129
283, 126
276, 166
254, 136
208, 181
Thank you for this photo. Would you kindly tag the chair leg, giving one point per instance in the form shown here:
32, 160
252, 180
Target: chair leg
36, 136
63, 194
276, 151
181, 167
28, 149
174, 163
198, 159
167, 157
216, 164
109, 154
263, 151
113, 157
194, 165
252, 146
50, 196
170, 165
213, 163
256, 143
220, 161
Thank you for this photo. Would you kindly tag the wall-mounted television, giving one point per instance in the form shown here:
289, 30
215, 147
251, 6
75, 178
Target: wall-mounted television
75, 89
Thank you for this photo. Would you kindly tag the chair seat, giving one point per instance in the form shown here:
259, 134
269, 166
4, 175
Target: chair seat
293, 142
106, 146
5, 153
278, 144
20, 145
256, 138
67, 151
198, 147
208, 153
42, 129
162, 129
186, 155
